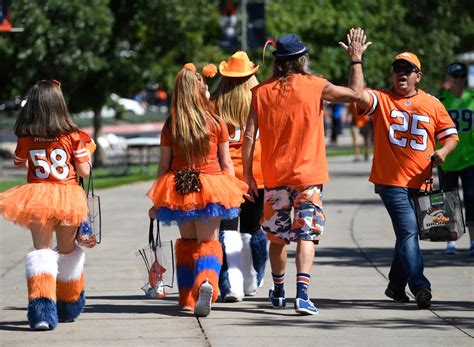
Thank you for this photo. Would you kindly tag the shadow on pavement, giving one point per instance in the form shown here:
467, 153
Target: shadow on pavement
383, 257
15, 326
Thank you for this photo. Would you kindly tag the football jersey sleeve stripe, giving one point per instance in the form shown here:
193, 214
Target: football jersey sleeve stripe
375, 103
445, 133
81, 155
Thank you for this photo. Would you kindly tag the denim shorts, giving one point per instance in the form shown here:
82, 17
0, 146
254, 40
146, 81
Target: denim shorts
308, 217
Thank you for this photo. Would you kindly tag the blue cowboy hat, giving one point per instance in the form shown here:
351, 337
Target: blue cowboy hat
290, 46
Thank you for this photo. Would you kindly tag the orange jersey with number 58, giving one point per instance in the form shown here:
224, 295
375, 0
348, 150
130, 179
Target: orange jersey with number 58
405, 134
51, 160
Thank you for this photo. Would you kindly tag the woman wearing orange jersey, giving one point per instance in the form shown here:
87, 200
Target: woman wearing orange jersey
245, 253
196, 188
50, 146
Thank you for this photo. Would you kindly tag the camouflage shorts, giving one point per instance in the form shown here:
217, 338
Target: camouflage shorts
308, 217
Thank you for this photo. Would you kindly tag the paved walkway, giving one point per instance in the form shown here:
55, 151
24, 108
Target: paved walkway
348, 281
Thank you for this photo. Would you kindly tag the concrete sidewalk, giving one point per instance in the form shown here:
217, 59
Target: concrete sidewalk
348, 282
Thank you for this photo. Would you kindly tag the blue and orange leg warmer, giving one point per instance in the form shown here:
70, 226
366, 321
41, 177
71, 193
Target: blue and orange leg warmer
207, 266
70, 285
185, 271
41, 267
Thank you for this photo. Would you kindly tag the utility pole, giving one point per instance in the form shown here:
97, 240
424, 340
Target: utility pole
243, 11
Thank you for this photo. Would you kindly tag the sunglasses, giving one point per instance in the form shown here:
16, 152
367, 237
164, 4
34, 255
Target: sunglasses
406, 69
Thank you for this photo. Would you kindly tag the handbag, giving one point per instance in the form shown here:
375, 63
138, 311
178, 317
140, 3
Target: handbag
89, 232
439, 213
156, 264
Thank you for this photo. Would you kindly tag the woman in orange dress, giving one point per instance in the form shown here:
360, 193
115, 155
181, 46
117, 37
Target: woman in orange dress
51, 147
195, 188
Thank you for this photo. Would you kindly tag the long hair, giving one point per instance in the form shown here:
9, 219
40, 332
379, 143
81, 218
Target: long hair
190, 116
282, 68
45, 113
232, 98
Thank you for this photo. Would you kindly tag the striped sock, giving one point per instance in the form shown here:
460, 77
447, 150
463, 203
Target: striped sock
302, 283
278, 285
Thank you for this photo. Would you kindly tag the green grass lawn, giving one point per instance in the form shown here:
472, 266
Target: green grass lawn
111, 177
105, 177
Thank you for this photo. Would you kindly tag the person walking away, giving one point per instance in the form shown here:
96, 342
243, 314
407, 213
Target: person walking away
245, 252
407, 123
360, 125
50, 147
459, 101
338, 111
287, 111
196, 188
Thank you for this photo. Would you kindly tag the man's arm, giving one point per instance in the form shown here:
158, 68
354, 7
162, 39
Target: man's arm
248, 148
439, 156
355, 48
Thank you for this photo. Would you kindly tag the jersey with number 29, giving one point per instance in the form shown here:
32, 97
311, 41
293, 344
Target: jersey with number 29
51, 160
405, 134
461, 111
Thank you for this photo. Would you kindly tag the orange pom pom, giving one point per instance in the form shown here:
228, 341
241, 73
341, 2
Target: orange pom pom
190, 66
210, 70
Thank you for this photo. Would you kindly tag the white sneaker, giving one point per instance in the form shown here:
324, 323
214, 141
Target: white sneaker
203, 304
450, 249
41, 326
232, 297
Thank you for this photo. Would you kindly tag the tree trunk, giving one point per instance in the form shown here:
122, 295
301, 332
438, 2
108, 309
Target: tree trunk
99, 156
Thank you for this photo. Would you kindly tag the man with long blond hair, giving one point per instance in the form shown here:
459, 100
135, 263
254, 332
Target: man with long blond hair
245, 252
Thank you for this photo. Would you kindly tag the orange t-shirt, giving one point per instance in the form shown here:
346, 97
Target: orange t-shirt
51, 160
405, 134
291, 126
236, 138
217, 134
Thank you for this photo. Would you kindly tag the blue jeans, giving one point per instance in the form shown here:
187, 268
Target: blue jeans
407, 265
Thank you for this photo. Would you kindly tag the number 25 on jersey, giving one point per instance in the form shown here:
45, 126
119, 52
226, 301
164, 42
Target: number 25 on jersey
400, 134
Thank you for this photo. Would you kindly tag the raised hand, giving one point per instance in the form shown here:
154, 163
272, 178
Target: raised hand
356, 44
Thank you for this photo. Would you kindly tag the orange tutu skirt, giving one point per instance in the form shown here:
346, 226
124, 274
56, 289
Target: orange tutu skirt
47, 204
220, 196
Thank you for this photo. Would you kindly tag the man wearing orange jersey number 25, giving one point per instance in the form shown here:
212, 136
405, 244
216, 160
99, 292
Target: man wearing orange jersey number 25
407, 123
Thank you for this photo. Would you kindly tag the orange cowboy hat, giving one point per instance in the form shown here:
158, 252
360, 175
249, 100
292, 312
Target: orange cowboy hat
239, 65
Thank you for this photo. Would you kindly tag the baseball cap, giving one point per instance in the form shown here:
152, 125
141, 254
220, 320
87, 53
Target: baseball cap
409, 57
457, 70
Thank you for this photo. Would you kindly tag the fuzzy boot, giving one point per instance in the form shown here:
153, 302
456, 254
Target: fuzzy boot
207, 266
41, 267
250, 275
231, 280
185, 272
70, 285
258, 245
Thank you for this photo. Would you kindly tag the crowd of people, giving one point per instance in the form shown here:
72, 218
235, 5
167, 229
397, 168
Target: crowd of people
210, 180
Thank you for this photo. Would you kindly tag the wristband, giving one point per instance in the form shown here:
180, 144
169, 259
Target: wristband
353, 62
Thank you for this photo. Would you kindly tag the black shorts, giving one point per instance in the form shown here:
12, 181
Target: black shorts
250, 216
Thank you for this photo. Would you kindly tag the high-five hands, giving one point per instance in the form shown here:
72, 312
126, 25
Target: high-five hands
356, 44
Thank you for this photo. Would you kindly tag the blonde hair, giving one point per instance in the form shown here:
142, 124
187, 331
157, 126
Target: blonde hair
45, 113
232, 98
190, 116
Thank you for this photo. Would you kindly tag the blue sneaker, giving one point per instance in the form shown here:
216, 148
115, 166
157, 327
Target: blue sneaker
305, 307
278, 301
